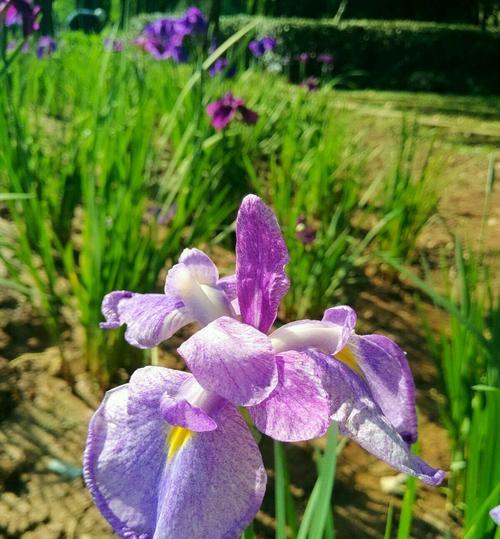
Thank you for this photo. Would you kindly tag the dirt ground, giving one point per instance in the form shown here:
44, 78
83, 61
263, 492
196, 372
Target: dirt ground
43, 419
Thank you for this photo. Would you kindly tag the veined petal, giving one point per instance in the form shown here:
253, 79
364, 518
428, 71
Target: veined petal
361, 419
343, 316
228, 286
200, 266
150, 318
299, 408
304, 334
211, 486
214, 486
123, 459
233, 360
195, 282
387, 373
261, 256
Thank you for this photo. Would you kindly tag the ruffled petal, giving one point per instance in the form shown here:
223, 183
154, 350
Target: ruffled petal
387, 373
214, 485
299, 408
343, 316
361, 419
261, 256
209, 486
233, 360
150, 318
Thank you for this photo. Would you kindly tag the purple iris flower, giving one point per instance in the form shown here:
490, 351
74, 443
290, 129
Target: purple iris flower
495, 515
22, 12
311, 83
46, 46
259, 47
168, 454
325, 58
164, 40
223, 111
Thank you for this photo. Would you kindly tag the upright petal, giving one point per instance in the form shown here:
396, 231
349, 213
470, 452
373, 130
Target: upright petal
150, 318
261, 256
211, 487
343, 316
233, 360
361, 419
200, 266
387, 373
299, 408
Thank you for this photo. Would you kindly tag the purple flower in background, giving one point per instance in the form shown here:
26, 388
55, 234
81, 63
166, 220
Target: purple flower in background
46, 46
325, 58
168, 454
223, 111
193, 22
221, 65
21, 12
115, 45
311, 83
303, 57
259, 47
495, 515
164, 40
304, 233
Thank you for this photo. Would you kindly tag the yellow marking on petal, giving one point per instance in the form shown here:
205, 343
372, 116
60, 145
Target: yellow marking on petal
346, 356
176, 438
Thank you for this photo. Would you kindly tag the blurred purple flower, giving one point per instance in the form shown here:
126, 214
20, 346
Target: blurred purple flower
115, 45
46, 46
193, 22
311, 83
304, 233
221, 66
495, 515
164, 38
259, 47
303, 57
325, 58
223, 111
21, 12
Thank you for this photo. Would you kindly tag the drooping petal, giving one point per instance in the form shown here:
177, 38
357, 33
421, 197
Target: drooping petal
123, 459
261, 256
209, 487
214, 485
361, 419
150, 318
232, 359
387, 373
299, 408
248, 116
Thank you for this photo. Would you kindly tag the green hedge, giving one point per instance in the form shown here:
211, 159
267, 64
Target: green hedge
389, 55
398, 55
